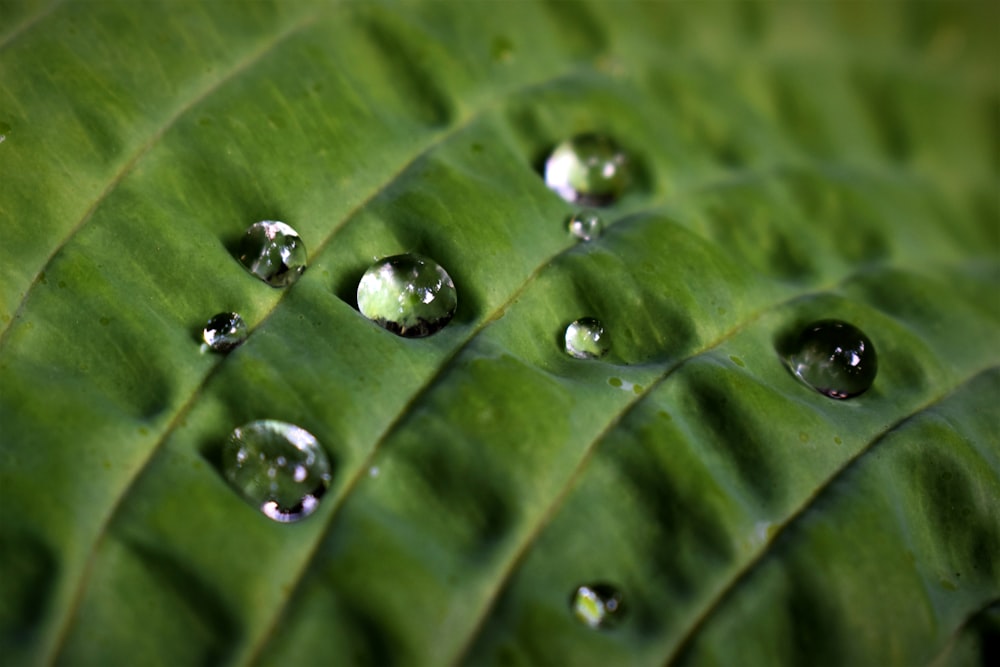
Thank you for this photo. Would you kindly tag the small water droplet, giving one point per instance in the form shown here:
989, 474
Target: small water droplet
834, 358
4, 131
589, 169
273, 252
736, 360
615, 382
597, 605
278, 468
373, 471
224, 331
585, 339
410, 295
585, 225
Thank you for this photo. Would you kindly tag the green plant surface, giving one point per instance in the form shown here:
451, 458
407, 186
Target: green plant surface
790, 162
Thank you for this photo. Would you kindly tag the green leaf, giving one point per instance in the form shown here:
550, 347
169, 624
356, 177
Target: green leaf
792, 162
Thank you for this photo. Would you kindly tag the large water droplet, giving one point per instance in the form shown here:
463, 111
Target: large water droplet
589, 169
273, 252
224, 332
585, 339
409, 295
278, 468
597, 605
834, 358
586, 225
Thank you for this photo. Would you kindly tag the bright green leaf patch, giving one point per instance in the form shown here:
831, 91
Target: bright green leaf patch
789, 162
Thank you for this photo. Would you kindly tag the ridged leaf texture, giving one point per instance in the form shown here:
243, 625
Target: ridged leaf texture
792, 161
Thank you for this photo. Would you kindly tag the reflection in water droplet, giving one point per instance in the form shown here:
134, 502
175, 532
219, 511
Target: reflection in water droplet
834, 358
597, 605
278, 468
589, 169
224, 332
585, 339
409, 295
586, 225
273, 252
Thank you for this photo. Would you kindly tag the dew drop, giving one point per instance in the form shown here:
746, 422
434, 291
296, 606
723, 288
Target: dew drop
586, 225
273, 252
224, 331
589, 169
410, 295
278, 468
585, 339
834, 358
597, 605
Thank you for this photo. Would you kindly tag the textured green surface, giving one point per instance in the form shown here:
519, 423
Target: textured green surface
794, 161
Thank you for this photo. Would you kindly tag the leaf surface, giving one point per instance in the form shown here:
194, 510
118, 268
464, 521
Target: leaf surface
791, 163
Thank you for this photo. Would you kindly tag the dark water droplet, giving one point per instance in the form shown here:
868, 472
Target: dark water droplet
834, 358
410, 295
586, 225
273, 252
597, 605
586, 339
278, 468
225, 331
589, 169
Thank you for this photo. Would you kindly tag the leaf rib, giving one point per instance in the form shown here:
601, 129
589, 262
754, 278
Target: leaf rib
19, 30
244, 64
754, 563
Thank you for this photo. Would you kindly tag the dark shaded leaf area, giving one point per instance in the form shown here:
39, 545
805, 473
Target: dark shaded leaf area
790, 161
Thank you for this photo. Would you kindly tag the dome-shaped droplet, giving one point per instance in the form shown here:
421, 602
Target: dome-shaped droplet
597, 605
224, 332
589, 169
278, 468
273, 252
409, 295
834, 358
586, 225
586, 339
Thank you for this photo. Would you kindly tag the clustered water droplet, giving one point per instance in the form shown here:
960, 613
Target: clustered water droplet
225, 331
588, 169
586, 339
410, 295
597, 605
273, 252
585, 225
834, 358
277, 467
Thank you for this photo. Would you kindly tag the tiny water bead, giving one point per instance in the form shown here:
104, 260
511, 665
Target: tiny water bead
834, 358
410, 295
225, 331
589, 169
586, 225
278, 468
586, 339
273, 252
597, 605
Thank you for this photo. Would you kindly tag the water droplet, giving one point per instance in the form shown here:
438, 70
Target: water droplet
586, 225
277, 467
409, 295
834, 358
224, 331
502, 49
585, 339
597, 605
588, 169
4, 131
273, 252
